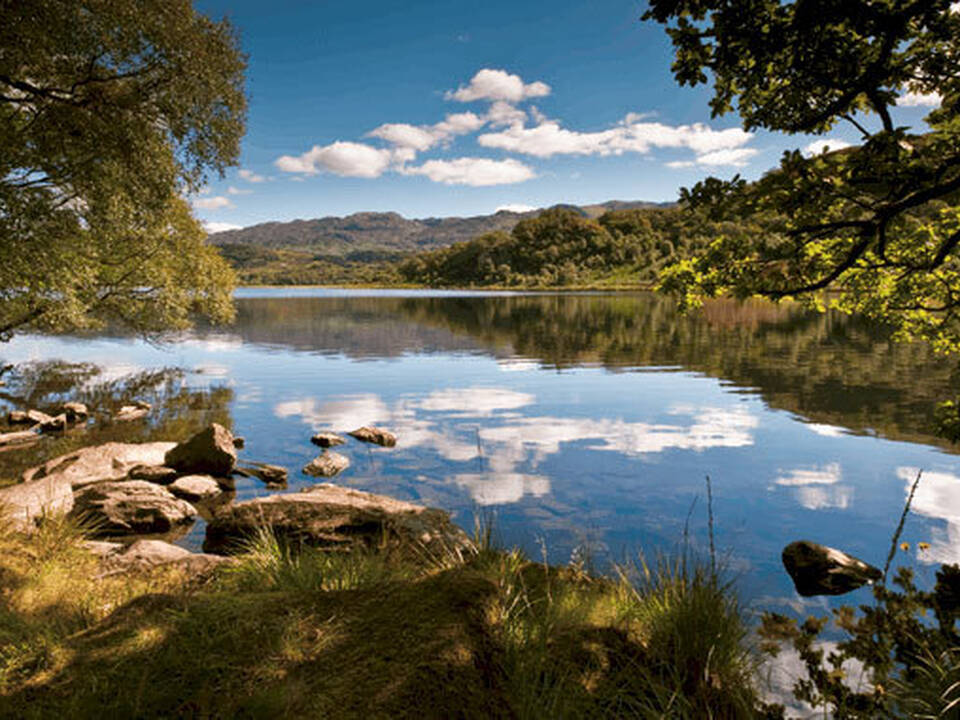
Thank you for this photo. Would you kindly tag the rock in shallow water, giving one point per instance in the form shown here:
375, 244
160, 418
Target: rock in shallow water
195, 487
375, 435
326, 439
210, 451
820, 570
334, 516
327, 465
131, 507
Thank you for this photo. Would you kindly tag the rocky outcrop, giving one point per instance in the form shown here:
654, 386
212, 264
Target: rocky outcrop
131, 507
326, 439
327, 465
375, 435
110, 461
331, 516
820, 570
21, 505
195, 487
209, 452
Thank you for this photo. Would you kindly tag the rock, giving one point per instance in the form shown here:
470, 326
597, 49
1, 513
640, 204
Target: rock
75, 411
210, 451
110, 461
239, 442
102, 548
21, 436
18, 417
55, 424
378, 436
132, 412
332, 516
22, 504
134, 506
34, 417
821, 570
327, 464
146, 554
159, 474
270, 474
195, 487
325, 439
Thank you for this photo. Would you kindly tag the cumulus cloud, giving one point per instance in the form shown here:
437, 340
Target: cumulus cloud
251, 176
489, 84
681, 164
825, 145
502, 488
515, 208
919, 99
936, 497
475, 401
549, 138
215, 227
477, 172
423, 137
216, 202
826, 430
827, 475
347, 159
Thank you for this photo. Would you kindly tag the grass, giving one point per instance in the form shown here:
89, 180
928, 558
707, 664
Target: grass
307, 633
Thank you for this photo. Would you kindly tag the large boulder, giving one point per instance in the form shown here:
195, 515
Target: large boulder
110, 461
327, 464
131, 507
820, 570
22, 504
209, 452
328, 515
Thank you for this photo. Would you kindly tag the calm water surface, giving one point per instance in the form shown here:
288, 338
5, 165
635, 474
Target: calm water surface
588, 423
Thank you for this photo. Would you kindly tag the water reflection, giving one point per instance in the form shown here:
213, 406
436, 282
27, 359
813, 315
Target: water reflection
589, 418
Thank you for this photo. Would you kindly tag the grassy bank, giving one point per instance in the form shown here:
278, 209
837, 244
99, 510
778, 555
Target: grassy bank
312, 634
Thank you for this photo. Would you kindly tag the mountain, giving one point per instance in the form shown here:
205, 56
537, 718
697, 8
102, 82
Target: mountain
387, 233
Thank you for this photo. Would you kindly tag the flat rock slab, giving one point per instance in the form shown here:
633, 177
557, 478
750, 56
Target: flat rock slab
327, 465
210, 451
270, 474
195, 487
110, 461
131, 507
820, 570
326, 439
145, 554
159, 474
328, 515
22, 504
375, 435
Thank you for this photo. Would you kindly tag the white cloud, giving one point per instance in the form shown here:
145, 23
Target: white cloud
828, 475
826, 430
515, 208
918, 99
237, 191
503, 113
549, 138
215, 227
217, 202
827, 144
423, 137
681, 164
475, 402
489, 84
477, 172
251, 176
502, 488
736, 157
937, 496
347, 159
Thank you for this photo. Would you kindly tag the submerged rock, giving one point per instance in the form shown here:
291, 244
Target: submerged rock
326, 439
327, 465
210, 451
131, 507
270, 474
333, 516
375, 435
821, 570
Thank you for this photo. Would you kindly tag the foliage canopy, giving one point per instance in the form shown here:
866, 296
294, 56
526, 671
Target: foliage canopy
110, 112
878, 224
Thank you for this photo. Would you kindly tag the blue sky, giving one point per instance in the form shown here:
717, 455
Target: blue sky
435, 109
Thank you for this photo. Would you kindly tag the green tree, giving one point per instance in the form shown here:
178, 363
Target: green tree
111, 112
872, 229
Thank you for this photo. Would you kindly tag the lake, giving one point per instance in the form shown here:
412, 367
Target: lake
585, 425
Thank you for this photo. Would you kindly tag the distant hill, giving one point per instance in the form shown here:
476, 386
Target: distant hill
385, 234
